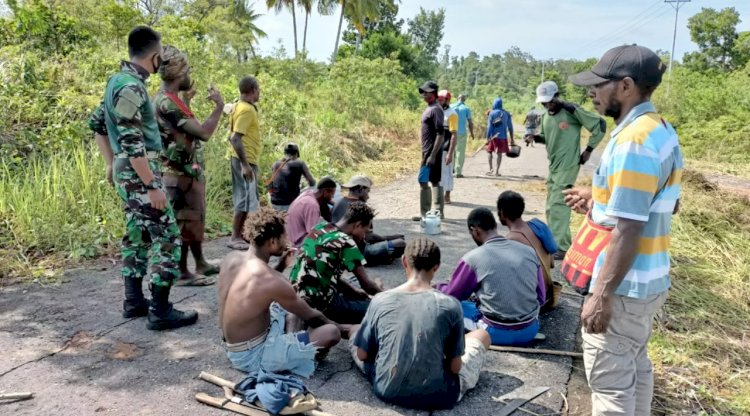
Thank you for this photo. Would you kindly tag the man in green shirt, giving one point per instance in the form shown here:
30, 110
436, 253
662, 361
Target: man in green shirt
561, 130
326, 253
126, 130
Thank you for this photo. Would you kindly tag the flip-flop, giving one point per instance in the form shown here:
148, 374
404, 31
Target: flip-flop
498, 174
238, 245
488, 173
210, 271
196, 280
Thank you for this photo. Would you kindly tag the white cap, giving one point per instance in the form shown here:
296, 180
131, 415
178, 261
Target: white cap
546, 91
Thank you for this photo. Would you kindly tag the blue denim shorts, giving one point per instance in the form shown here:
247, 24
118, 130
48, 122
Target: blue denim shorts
279, 352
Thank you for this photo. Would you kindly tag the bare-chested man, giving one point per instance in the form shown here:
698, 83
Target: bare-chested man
254, 299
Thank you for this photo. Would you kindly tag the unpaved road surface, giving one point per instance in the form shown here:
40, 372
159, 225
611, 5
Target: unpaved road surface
69, 345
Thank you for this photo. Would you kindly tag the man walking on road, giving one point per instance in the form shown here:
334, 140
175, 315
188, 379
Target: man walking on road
245, 140
499, 131
561, 130
184, 177
430, 170
127, 118
464, 120
636, 191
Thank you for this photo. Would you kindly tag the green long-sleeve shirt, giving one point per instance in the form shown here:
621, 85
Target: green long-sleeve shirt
562, 134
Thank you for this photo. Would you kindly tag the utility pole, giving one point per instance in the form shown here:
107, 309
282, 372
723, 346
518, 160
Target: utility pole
476, 77
542, 71
676, 4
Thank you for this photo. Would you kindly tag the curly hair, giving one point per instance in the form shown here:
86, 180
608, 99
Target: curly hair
360, 212
263, 225
422, 254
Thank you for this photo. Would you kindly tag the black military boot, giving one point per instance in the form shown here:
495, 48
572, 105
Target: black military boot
134, 305
161, 314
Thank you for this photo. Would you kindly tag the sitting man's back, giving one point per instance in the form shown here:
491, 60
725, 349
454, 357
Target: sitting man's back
254, 299
411, 343
507, 279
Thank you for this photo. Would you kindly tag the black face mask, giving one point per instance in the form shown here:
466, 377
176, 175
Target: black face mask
159, 62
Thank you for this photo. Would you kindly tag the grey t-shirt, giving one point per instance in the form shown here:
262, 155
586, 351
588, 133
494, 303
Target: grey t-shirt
409, 338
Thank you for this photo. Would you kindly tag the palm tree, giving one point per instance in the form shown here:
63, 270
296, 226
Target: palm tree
245, 17
356, 11
278, 6
307, 6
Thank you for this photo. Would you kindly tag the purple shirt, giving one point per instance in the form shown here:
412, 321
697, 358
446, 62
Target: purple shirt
507, 278
303, 215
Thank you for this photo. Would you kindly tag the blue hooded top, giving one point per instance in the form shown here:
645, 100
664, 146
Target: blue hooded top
499, 122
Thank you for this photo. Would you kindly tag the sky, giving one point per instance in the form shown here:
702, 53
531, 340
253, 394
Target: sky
545, 28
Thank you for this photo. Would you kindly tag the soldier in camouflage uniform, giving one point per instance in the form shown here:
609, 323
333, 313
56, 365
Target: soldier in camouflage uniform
127, 118
328, 251
184, 178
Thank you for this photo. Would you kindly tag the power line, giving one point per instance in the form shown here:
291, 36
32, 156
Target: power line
627, 27
607, 41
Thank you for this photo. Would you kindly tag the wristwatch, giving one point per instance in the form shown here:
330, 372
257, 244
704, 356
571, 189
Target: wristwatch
153, 184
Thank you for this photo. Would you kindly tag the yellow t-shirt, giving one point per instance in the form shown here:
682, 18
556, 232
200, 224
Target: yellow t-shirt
244, 121
453, 122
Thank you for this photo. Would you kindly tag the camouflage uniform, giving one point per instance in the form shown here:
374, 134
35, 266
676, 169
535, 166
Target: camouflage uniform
183, 166
127, 117
324, 256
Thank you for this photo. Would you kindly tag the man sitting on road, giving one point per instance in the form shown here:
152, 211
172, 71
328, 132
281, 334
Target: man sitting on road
376, 248
535, 234
326, 252
254, 298
507, 279
411, 343
307, 210
285, 178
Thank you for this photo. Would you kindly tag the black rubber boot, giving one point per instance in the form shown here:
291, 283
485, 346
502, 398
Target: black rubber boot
134, 305
161, 314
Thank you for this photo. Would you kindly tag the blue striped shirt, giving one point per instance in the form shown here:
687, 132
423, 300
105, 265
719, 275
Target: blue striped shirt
639, 179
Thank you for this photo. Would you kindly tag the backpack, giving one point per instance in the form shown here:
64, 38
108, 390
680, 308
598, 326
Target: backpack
497, 119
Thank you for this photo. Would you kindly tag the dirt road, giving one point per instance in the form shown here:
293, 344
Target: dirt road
69, 345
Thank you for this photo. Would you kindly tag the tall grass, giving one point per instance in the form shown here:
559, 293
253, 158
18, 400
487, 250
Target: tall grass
701, 349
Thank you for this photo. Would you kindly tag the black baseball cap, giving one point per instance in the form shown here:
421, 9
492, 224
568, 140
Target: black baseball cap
429, 86
637, 62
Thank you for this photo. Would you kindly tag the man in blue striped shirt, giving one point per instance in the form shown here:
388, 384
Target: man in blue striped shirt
636, 189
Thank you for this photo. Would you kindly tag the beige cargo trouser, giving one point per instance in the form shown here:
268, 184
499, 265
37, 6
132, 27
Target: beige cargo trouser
617, 365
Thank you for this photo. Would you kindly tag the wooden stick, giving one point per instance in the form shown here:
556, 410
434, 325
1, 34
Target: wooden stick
216, 380
536, 351
16, 396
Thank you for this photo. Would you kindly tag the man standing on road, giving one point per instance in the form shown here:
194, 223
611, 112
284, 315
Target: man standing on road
464, 119
245, 140
531, 122
127, 118
636, 191
450, 123
561, 130
432, 144
184, 179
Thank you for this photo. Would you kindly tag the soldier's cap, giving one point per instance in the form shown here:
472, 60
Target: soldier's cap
358, 180
429, 86
637, 62
326, 183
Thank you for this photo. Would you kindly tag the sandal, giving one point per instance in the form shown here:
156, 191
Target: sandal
210, 270
195, 280
238, 245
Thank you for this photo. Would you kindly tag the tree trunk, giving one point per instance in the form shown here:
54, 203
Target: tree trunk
338, 34
294, 22
304, 35
359, 42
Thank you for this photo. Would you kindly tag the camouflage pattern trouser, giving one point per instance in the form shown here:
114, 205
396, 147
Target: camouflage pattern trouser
150, 234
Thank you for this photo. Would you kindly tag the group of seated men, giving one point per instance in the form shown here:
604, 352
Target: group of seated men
396, 336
